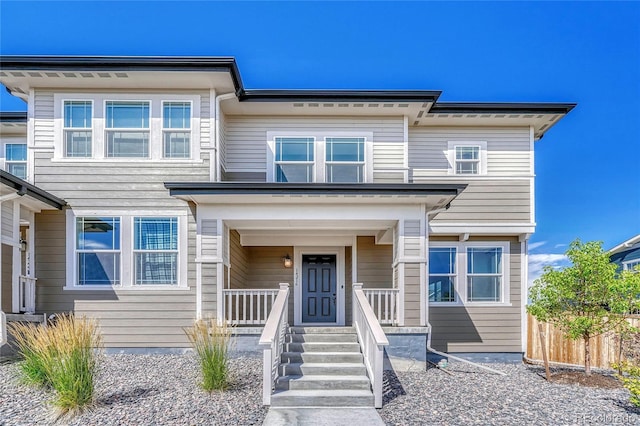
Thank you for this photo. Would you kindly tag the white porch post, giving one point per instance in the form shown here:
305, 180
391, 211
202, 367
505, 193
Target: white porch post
16, 266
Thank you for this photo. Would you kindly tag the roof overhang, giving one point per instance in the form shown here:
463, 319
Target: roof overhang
32, 196
13, 123
432, 195
626, 245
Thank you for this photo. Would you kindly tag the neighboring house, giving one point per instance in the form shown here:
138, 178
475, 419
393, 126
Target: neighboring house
627, 254
188, 196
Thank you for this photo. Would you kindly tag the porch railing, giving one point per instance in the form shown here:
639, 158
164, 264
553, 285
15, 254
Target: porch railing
272, 341
27, 293
384, 302
248, 306
371, 338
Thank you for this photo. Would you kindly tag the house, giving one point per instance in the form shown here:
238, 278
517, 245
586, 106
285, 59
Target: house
179, 194
627, 254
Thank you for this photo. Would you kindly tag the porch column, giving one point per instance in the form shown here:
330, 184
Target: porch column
410, 261
209, 276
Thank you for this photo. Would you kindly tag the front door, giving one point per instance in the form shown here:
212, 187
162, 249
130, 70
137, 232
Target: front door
319, 288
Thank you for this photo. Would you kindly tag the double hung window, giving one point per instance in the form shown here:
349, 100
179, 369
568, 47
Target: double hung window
294, 159
632, 265
77, 129
467, 161
176, 129
16, 159
127, 129
442, 274
156, 250
344, 159
98, 250
484, 274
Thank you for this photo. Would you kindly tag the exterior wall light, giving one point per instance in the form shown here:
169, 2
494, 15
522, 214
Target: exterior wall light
287, 261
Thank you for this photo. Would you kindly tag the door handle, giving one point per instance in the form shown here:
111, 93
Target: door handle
334, 298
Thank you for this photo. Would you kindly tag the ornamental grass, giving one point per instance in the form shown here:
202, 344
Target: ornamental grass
212, 343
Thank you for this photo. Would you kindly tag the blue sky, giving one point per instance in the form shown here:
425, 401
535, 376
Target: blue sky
588, 173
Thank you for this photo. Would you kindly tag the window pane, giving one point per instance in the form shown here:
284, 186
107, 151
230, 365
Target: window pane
345, 149
128, 115
98, 268
98, 233
442, 260
177, 144
344, 173
484, 260
127, 144
18, 170
483, 289
467, 168
441, 289
16, 152
156, 233
294, 149
77, 114
294, 173
176, 115
467, 153
156, 268
77, 143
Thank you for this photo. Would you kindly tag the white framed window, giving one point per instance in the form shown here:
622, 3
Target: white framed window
631, 265
155, 250
467, 158
176, 129
294, 159
97, 251
345, 160
442, 274
127, 128
15, 155
77, 131
469, 273
126, 250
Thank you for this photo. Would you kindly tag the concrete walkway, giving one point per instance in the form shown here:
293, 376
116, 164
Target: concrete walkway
314, 416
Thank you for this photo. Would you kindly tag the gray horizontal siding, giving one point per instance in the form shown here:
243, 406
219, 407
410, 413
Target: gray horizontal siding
43, 127
482, 328
6, 214
508, 149
127, 318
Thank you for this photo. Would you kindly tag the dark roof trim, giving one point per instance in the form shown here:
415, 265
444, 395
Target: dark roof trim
340, 95
501, 107
25, 188
269, 188
13, 117
125, 63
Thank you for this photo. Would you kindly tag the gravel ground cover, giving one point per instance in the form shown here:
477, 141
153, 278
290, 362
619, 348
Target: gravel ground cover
146, 390
472, 396
162, 390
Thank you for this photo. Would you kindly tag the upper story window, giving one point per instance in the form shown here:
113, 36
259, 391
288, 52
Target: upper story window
77, 129
294, 159
176, 129
632, 265
467, 158
127, 128
16, 159
344, 159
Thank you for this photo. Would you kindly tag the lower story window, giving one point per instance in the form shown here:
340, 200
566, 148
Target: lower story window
484, 274
98, 250
442, 274
156, 250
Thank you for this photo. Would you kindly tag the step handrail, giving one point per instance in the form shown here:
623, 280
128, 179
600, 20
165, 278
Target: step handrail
3, 328
372, 340
272, 341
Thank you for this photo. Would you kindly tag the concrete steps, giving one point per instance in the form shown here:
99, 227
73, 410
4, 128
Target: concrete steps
322, 367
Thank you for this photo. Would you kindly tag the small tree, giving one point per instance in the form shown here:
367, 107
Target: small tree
586, 299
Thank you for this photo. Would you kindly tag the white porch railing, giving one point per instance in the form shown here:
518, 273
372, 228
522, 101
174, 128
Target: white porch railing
384, 302
3, 328
272, 341
371, 338
27, 293
248, 306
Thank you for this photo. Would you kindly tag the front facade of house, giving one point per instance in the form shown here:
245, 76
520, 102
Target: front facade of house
189, 196
627, 254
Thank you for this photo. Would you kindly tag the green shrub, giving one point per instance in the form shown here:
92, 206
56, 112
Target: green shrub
630, 378
211, 342
61, 356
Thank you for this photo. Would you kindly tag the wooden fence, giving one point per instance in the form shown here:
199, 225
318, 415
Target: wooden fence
604, 348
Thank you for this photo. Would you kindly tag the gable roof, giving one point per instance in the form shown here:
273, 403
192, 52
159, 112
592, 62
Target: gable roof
626, 245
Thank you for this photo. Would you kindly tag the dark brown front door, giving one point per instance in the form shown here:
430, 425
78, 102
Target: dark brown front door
319, 288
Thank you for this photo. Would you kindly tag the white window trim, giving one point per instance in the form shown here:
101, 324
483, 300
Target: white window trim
314, 163
151, 147
629, 264
6, 162
363, 163
320, 151
65, 129
454, 275
99, 126
126, 250
451, 156
461, 269
182, 130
